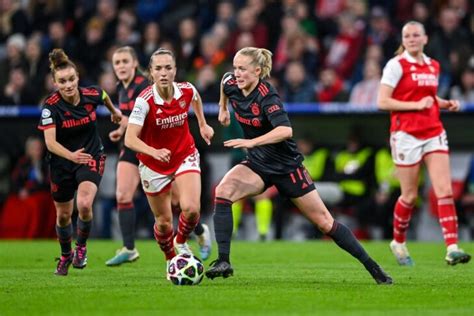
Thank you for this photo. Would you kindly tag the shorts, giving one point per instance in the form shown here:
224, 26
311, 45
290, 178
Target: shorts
408, 150
128, 155
154, 182
293, 184
64, 183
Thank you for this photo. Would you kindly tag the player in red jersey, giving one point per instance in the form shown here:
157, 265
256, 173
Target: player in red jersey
272, 159
69, 122
158, 131
409, 90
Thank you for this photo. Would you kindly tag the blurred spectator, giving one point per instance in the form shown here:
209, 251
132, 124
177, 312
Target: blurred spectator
421, 13
225, 13
187, 46
298, 88
247, 22
13, 19
210, 54
58, 38
346, 46
37, 66
31, 171
450, 46
150, 42
18, 91
107, 12
15, 57
364, 93
108, 82
464, 92
306, 20
381, 32
290, 28
40, 12
330, 87
151, 10
208, 84
90, 59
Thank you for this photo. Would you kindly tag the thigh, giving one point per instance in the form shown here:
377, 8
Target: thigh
127, 178
314, 209
86, 192
160, 205
409, 178
240, 182
188, 187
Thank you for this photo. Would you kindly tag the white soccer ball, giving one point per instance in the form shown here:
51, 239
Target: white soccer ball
185, 269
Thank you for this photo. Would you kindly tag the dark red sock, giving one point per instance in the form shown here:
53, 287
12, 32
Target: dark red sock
185, 227
448, 220
165, 241
401, 220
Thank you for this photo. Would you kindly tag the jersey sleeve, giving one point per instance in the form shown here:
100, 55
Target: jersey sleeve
100, 97
48, 117
274, 111
139, 112
392, 73
227, 79
195, 92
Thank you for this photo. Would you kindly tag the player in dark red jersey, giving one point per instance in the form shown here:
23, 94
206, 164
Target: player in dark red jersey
158, 131
69, 122
131, 84
409, 90
272, 159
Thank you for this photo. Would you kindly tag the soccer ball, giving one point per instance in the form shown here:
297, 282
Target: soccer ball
185, 269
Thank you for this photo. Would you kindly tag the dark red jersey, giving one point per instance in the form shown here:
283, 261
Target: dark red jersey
127, 96
259, 113
76, 125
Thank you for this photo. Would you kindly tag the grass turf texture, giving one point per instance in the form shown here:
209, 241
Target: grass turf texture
274, 278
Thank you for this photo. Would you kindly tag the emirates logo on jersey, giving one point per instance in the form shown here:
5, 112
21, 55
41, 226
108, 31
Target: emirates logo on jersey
255, 109
425, 79
172, 121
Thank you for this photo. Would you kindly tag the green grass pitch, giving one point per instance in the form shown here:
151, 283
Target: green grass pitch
273, 278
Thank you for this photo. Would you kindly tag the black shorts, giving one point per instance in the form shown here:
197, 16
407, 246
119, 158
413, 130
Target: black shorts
293, 184
128, 155
64, 183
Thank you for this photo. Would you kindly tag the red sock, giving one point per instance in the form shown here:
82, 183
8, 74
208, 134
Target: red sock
185, 227
165, 241
401, 220
448, 220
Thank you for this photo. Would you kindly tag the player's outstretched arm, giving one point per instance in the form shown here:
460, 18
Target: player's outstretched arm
386, 102
450, 105
207, 132
78, 156
224, 115
276, 135
133, 142
116, 114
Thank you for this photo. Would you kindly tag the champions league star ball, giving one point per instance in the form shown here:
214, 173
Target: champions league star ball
185, 269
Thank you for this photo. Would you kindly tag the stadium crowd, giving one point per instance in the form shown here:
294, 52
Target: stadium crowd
324, 51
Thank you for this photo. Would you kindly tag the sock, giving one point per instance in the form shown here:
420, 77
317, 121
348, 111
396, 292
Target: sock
263, 216
345, 239
401, 220
127, 216
185, 227
165, 241
237, 209
64, 237
83, 230
448, 220
199, 229
223, 223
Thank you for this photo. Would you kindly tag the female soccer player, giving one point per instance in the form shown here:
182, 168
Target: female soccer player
272, 160
69, 122
131, 84
408, 89
158, 131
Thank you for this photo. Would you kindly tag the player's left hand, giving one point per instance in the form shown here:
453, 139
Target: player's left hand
453, 105
116, 117
239, 143
207, 133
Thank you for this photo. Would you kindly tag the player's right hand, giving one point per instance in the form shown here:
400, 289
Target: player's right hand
224, 117
80, 157
115, 135
162, 154
425, 103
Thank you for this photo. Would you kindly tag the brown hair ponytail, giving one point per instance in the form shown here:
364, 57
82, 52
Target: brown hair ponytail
59, 60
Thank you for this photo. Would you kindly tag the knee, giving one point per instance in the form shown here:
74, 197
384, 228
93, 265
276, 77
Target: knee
63, 218
224, 190
163, 225
84, 205
123, 197
191, 210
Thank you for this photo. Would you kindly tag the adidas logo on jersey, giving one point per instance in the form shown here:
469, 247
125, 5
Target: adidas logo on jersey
159, 111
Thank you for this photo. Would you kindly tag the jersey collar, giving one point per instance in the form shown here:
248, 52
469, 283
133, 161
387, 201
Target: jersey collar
412, 60
159, 100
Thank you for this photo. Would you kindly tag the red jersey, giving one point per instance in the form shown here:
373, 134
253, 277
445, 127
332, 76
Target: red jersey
165, 125
412, 82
